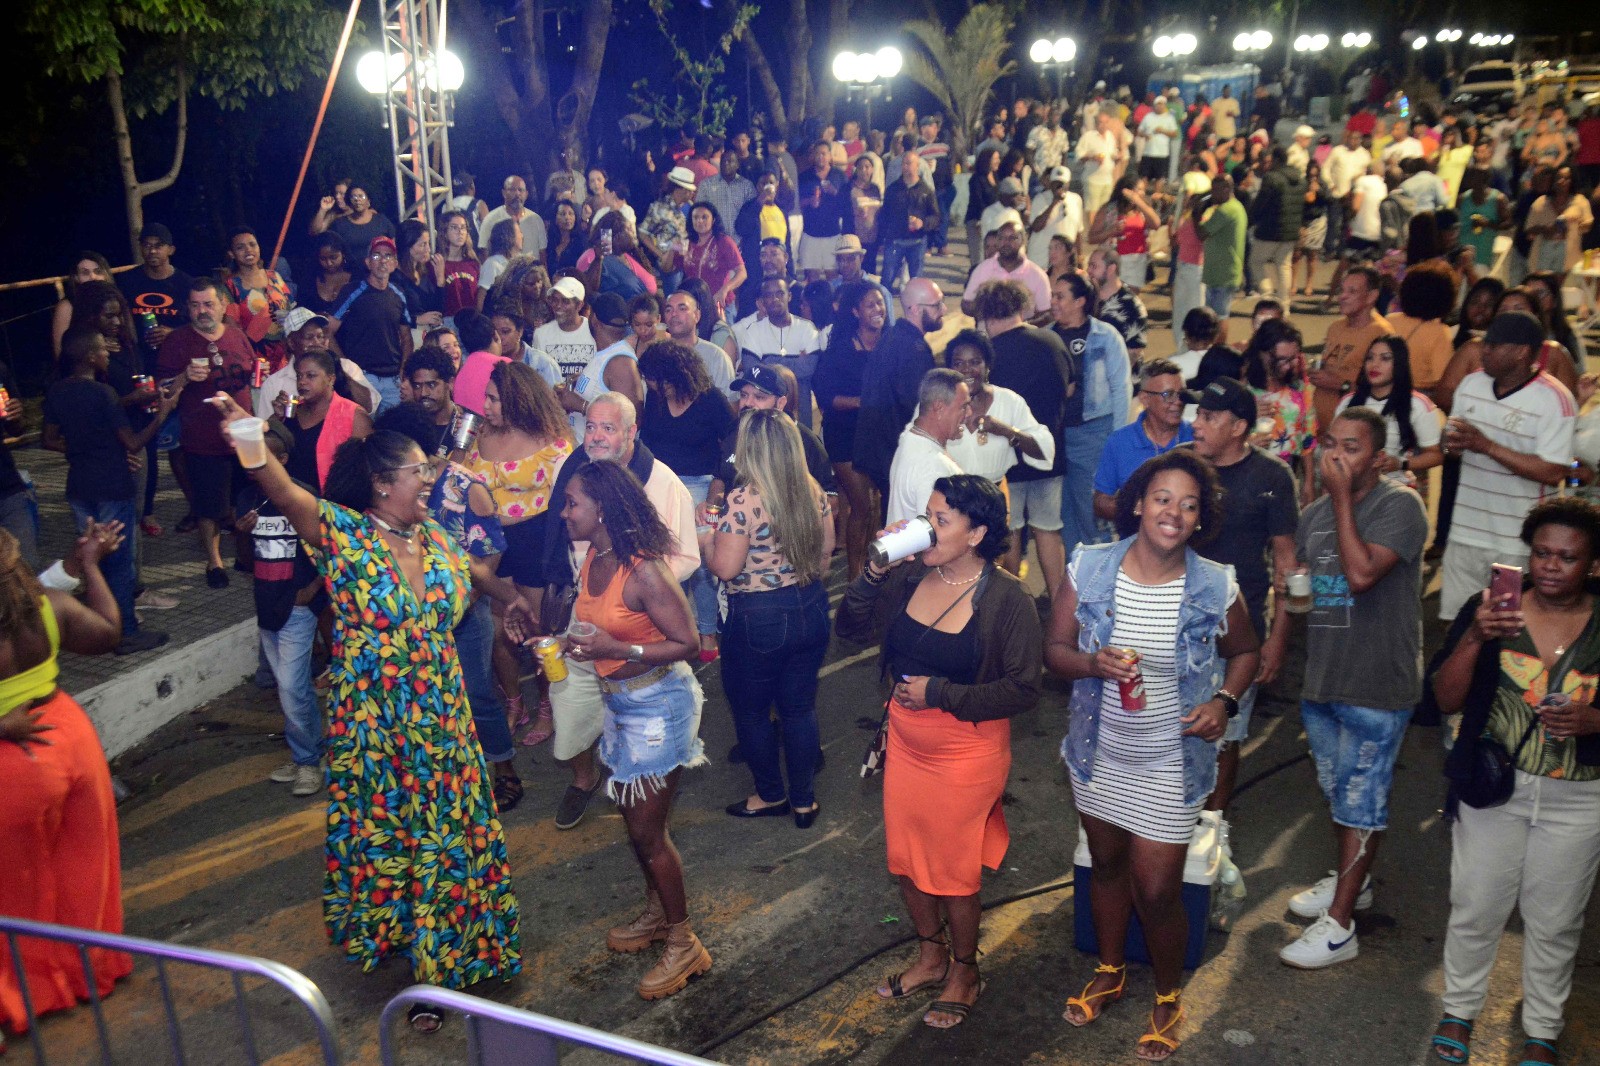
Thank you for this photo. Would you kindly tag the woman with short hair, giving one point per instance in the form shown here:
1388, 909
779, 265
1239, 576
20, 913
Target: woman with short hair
1141, 773
961, 654
1523, 675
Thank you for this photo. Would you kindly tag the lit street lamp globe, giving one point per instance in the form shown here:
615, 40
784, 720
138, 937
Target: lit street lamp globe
844, 66
1184, 44
1162, 47
1041, 51
370, 72
1420, 43
1261, 39
1319, 42
1065, 50
889, 61
1241, 43
866, 68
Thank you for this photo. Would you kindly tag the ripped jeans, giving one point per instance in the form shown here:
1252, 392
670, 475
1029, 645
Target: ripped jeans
650, 732
1354, 749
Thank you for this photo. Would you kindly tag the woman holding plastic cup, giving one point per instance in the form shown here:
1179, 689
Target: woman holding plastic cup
1141, 769
1524, 675
961, 650
412, 828
632, 621
323, 418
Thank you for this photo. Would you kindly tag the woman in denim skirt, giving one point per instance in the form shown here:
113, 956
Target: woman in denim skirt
632, 621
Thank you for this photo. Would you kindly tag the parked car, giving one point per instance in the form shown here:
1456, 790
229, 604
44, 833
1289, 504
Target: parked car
1494, 82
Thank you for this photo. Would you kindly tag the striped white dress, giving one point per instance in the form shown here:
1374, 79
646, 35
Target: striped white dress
1137, 780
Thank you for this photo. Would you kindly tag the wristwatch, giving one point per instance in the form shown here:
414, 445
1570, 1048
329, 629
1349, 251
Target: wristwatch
1229, 700
636, 655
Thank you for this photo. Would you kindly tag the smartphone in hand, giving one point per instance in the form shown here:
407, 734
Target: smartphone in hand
1505, 587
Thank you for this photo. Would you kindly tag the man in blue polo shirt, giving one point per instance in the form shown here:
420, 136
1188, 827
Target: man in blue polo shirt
1159, 429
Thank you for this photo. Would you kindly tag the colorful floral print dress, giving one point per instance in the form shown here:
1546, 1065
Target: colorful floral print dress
416, 859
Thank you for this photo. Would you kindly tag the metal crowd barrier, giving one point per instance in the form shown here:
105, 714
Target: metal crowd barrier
499, 1034
295, 983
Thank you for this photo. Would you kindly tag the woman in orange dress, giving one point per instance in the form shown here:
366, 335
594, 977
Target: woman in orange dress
58, 816
962, 640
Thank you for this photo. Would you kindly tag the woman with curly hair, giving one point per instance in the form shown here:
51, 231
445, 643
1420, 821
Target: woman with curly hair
961, 655
684, 422
1141, 772
638, 635
86, 267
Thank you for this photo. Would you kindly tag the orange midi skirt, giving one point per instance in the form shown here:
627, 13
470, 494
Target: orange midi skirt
58, 825
942, 783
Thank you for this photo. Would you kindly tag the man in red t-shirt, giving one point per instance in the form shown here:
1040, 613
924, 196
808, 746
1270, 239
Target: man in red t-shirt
204, 357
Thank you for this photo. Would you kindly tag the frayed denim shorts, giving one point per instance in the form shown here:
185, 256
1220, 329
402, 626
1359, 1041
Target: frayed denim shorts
1354, 749
650, 732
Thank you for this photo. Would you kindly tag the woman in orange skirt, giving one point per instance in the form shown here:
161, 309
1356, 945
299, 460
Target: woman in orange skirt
58, 816
961, 640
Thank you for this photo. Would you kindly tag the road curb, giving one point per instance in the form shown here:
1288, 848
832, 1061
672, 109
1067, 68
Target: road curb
131, 706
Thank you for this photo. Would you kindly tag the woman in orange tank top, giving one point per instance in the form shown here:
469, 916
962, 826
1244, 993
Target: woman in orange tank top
632, 621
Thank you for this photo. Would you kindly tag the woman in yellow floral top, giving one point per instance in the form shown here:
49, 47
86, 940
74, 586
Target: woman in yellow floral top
1526, 678
524, 440
772, 549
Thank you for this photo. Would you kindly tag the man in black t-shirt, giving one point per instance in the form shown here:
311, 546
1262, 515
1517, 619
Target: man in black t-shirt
1259, 520
156, 288
372, 322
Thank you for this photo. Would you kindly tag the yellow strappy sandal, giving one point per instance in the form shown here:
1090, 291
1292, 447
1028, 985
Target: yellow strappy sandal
1086, 1002
1158, 1033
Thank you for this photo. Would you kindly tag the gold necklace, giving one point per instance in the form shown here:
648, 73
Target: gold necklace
957, 584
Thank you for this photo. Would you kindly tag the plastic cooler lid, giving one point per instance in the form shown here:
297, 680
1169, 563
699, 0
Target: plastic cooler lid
1199, 868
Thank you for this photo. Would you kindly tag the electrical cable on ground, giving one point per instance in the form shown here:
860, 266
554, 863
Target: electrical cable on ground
845, 971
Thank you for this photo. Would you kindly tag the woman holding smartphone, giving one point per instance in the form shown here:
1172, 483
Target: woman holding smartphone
1522, 670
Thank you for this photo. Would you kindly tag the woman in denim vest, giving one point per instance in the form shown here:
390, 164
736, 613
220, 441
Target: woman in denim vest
1143, 759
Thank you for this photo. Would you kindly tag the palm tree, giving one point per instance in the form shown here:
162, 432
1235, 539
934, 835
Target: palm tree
960, 68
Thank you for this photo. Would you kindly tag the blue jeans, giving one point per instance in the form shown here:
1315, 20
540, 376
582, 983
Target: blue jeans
388, 389
288, 653
474, 650
1354, 749
910, 251
701, 588
1220, 300
772, 648
118, 567
1082, 446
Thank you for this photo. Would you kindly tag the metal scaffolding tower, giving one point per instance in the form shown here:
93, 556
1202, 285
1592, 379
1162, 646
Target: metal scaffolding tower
418, 103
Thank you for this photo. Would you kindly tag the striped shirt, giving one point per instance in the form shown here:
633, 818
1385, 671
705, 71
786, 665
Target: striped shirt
1538, 419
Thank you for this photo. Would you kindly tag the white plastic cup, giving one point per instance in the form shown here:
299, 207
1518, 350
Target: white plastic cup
249, 441
1299, 592
582, 630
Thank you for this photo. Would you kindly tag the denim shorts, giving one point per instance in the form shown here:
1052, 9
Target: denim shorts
1354, 749
650, 732
1239, 725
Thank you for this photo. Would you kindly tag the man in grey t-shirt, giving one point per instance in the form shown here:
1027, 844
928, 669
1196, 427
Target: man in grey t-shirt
1362, 546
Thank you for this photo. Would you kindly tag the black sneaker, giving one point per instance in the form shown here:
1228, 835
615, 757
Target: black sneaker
216, 577
574, 802
141, 640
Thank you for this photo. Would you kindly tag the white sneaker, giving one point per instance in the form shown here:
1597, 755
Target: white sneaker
1324, 944
307, 780
283, 774
1319, 897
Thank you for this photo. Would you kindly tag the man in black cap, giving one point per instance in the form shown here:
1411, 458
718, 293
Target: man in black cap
605, 372
764, 388
1512, 425
1258, 524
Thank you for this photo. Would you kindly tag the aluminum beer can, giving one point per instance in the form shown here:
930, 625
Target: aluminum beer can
146, 383
462, 432
263, 368
548, 649
1132, 692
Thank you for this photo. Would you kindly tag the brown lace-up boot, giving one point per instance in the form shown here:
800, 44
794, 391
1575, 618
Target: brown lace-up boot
684, 958
646, 929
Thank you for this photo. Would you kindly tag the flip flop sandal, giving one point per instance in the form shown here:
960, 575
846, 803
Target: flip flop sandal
1443, 1046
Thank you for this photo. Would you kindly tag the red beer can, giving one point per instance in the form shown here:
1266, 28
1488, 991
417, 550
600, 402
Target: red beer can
1132, 692
263, 368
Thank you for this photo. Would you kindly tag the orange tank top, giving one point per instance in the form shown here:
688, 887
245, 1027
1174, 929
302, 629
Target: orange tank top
611, 613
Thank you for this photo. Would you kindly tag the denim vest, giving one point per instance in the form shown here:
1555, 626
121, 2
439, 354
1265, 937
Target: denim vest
1202, 618
1106, 372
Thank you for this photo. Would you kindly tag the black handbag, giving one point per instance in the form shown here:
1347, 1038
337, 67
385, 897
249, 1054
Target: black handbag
878, 748
1491, 772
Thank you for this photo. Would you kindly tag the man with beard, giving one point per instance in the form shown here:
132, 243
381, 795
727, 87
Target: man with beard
1008, 264
776, 337
205, 357
892, 377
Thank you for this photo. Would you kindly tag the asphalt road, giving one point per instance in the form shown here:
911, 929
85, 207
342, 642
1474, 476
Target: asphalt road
803, 924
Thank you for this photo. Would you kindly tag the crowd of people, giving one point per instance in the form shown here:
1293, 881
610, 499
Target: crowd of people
591, 438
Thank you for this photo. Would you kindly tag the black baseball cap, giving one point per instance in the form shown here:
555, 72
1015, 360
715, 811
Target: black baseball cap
155, 231
610, 309
762, 377
1225, 394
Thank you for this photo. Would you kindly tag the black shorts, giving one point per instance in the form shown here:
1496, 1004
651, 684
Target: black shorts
1362, 251
524, 551
1153, 169
215, 480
